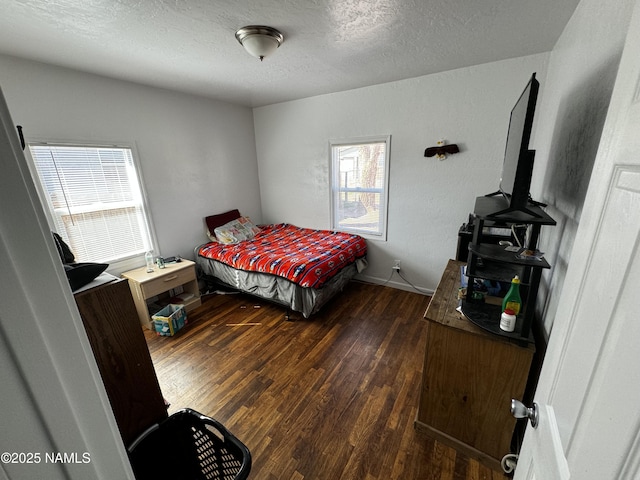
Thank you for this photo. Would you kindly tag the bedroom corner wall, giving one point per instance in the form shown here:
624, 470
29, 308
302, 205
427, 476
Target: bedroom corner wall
429, 199
197, 155
575, 99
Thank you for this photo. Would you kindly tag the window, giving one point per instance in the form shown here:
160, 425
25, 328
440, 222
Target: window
359, 186
95, 200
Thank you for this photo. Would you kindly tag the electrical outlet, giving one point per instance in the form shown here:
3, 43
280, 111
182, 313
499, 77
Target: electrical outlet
396, 266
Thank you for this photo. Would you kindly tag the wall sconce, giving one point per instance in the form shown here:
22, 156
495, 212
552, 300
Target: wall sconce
441, 150
259, 40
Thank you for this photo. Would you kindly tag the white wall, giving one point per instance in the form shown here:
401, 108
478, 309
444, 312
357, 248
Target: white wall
571, 114
197, 155
429, 199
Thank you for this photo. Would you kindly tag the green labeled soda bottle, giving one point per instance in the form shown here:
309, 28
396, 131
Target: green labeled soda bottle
512, 300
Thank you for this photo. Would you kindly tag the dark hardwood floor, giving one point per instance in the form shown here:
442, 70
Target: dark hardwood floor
331, 397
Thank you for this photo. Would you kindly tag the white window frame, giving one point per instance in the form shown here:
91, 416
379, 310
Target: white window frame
336, 190
116, 266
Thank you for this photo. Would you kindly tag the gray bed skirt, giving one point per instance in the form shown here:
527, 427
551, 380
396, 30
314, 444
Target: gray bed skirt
280, 290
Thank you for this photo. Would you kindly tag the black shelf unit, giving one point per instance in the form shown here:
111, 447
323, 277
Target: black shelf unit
502, 262
492, 233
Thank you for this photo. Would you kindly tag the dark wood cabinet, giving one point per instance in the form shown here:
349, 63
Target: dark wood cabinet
469, 378
111, 322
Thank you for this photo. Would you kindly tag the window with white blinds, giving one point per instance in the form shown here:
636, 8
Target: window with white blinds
95, 200
359, 186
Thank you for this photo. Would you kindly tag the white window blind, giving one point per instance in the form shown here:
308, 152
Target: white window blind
95, 200
360, 172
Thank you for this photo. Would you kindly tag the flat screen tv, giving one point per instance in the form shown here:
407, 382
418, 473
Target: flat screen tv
518, 159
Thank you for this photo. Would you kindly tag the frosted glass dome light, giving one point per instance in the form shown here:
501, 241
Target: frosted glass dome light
259, 41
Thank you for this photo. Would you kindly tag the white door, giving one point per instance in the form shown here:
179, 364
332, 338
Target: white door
590, 381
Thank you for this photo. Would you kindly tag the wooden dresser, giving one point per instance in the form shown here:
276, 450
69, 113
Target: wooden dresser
469, 378
119, 347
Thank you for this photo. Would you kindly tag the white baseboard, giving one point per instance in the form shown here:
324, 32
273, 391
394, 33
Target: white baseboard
395, 282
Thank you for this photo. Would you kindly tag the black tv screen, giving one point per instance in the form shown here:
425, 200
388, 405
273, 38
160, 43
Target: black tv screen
518, 159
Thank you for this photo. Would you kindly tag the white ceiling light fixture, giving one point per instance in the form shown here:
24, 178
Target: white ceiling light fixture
259, 40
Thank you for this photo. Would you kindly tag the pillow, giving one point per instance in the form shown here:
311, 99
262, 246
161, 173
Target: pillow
79, 274
236, 231
215, 221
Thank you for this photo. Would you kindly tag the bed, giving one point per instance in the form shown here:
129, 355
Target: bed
299, 268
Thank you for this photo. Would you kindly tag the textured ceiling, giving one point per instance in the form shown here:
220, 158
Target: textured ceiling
329, 46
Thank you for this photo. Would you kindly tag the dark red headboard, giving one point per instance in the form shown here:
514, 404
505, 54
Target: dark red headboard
215, 221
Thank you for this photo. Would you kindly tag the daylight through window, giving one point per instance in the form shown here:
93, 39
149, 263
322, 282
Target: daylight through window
360, 172
95, 200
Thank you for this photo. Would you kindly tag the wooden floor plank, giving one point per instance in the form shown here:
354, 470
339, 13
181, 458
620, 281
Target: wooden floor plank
330, 397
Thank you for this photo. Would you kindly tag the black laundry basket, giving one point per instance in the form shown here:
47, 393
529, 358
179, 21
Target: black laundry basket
189, 446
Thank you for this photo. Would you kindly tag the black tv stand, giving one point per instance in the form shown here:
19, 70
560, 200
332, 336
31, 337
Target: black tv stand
494, 194
510, 208
530, 200
498, 208
509, 211
501, 263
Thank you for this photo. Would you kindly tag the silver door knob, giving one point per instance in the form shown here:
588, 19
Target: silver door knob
520, 410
